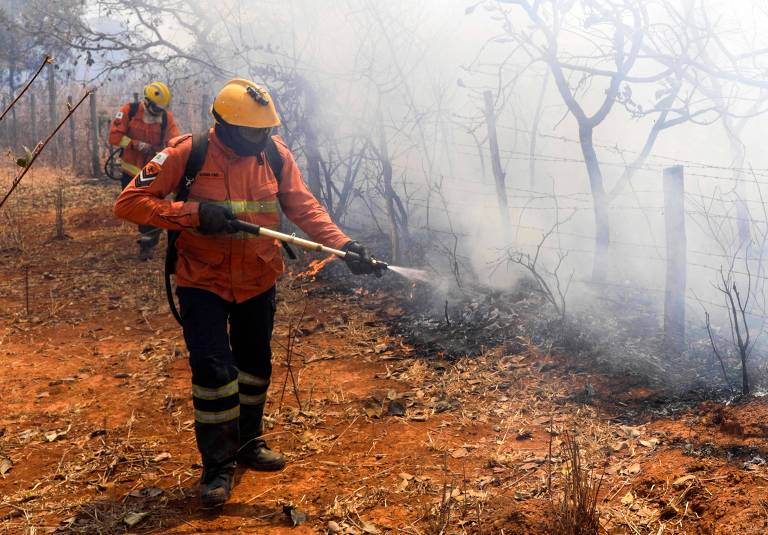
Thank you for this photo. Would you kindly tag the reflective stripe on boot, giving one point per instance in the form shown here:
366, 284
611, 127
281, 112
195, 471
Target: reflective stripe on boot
216, 425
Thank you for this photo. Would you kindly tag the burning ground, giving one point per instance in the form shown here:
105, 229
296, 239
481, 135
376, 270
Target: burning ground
395, 417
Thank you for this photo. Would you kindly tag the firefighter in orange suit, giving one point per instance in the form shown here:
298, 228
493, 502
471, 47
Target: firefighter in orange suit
226, 279
142, 129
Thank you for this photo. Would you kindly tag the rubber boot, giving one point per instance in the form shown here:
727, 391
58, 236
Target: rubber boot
216, 487
254, 452
218, 448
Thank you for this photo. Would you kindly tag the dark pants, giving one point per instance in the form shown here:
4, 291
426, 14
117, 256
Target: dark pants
149, 234
231, 361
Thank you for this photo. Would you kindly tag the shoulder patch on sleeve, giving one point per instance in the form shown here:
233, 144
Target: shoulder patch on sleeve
159, 158
149, 173
119, 115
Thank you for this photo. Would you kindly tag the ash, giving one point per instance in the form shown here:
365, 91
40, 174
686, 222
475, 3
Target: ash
617, 333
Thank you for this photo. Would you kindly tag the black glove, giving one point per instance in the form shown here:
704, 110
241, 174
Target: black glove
214, 219
359, 265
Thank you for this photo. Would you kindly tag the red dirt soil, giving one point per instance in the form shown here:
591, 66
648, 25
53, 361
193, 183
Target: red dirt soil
96, 423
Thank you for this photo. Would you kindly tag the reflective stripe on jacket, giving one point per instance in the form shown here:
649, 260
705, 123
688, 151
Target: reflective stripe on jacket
122, 133
234, 266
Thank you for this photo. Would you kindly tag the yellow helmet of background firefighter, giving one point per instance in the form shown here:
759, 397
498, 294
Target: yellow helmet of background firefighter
244, 103
158, 93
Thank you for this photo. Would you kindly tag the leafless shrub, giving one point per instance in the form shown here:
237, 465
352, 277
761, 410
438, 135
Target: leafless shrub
11, 232
442, 517
294, 329
576, 512
737, 305
548, 281
58, 200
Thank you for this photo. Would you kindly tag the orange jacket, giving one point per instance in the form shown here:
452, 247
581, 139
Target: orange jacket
234, 266
123, 133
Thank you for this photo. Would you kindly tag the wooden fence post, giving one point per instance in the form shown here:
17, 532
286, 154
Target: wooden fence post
72, 143
674, 294
498, 172
95, 167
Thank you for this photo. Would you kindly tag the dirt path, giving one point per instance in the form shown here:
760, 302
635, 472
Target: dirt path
96, 422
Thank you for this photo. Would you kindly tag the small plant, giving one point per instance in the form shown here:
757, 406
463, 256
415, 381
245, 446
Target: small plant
576, 513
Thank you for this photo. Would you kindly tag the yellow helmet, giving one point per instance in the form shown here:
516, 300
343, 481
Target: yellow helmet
244, 103
158, 93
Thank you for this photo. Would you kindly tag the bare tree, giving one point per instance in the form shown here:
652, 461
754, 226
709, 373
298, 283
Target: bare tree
131, 35
618, 51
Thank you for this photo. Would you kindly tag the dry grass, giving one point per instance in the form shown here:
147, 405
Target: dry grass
576, 513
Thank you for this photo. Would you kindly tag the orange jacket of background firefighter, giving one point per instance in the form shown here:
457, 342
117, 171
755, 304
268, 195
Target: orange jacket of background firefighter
234, 266
123, 133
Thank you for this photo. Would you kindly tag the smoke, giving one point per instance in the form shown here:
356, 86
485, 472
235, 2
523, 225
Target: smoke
405, 81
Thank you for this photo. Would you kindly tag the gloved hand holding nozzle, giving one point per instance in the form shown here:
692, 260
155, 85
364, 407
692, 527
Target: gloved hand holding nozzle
360, 261
215, 219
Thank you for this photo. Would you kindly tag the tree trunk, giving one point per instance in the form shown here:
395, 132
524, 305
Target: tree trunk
498, 172
72, 142
600, 205
312, 151
738, 156
33, 118
12, 92
52, 121
94, 134
204, 111
535, 132
389, 192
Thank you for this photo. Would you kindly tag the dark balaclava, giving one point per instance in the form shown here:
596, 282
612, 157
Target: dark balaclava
152, 108
230, 136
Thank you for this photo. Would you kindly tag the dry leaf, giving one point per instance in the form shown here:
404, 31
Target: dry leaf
618, 446
161, 457
683, 480
628, 498
148, 492
5, 466
529, 466
650, 443
131, 519
631, 432
634, 469
459, 453
50, 436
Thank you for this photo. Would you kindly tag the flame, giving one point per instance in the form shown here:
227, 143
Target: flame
314, 268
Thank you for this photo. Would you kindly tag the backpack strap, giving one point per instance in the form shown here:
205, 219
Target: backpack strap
275, 161
133, 110
194, 164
